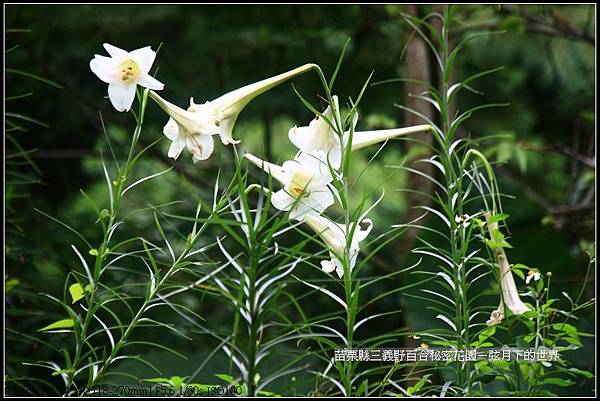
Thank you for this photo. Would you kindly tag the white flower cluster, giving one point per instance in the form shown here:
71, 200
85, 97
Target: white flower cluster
306, 181
307, 189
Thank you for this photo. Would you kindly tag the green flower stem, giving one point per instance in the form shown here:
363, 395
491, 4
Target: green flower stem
103, 249
149, 299
458, 243
249, 277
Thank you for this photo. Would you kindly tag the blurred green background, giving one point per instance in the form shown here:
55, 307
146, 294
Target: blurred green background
545, 147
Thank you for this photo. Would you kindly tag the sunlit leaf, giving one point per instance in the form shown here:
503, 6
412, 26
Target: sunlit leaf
60, 324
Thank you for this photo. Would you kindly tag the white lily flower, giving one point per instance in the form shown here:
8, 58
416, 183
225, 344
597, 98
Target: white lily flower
334, 236
532, 274
319, 136
305, 183
223, 111
188, 128
123, 71
510, 295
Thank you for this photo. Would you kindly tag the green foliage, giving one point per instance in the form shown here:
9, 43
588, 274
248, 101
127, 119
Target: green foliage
60, 324
125, 267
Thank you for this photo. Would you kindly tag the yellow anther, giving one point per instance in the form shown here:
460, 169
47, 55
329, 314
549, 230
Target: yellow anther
300, 181
130, 70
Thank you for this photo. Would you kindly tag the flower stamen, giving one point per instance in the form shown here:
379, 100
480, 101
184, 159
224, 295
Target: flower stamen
130, 71
298, 185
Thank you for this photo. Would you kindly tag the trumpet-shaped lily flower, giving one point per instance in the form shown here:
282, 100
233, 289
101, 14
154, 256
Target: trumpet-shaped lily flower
334, 235
305, 183
223, 111
319, 136
188, 128
123, 71
510, 295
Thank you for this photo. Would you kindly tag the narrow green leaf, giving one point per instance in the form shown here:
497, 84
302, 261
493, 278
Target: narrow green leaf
557, 381
60, 324
585, 373
33, 76
226, 378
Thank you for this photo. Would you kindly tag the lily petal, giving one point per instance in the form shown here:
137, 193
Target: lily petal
302, 211
226, 130
200, 146
171, 129
144, 57
361, 234
148, 81
362, 139
177, 147
282, 200
114, 51
316, 162
121, 95
104, 67
319, 200
328, 266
